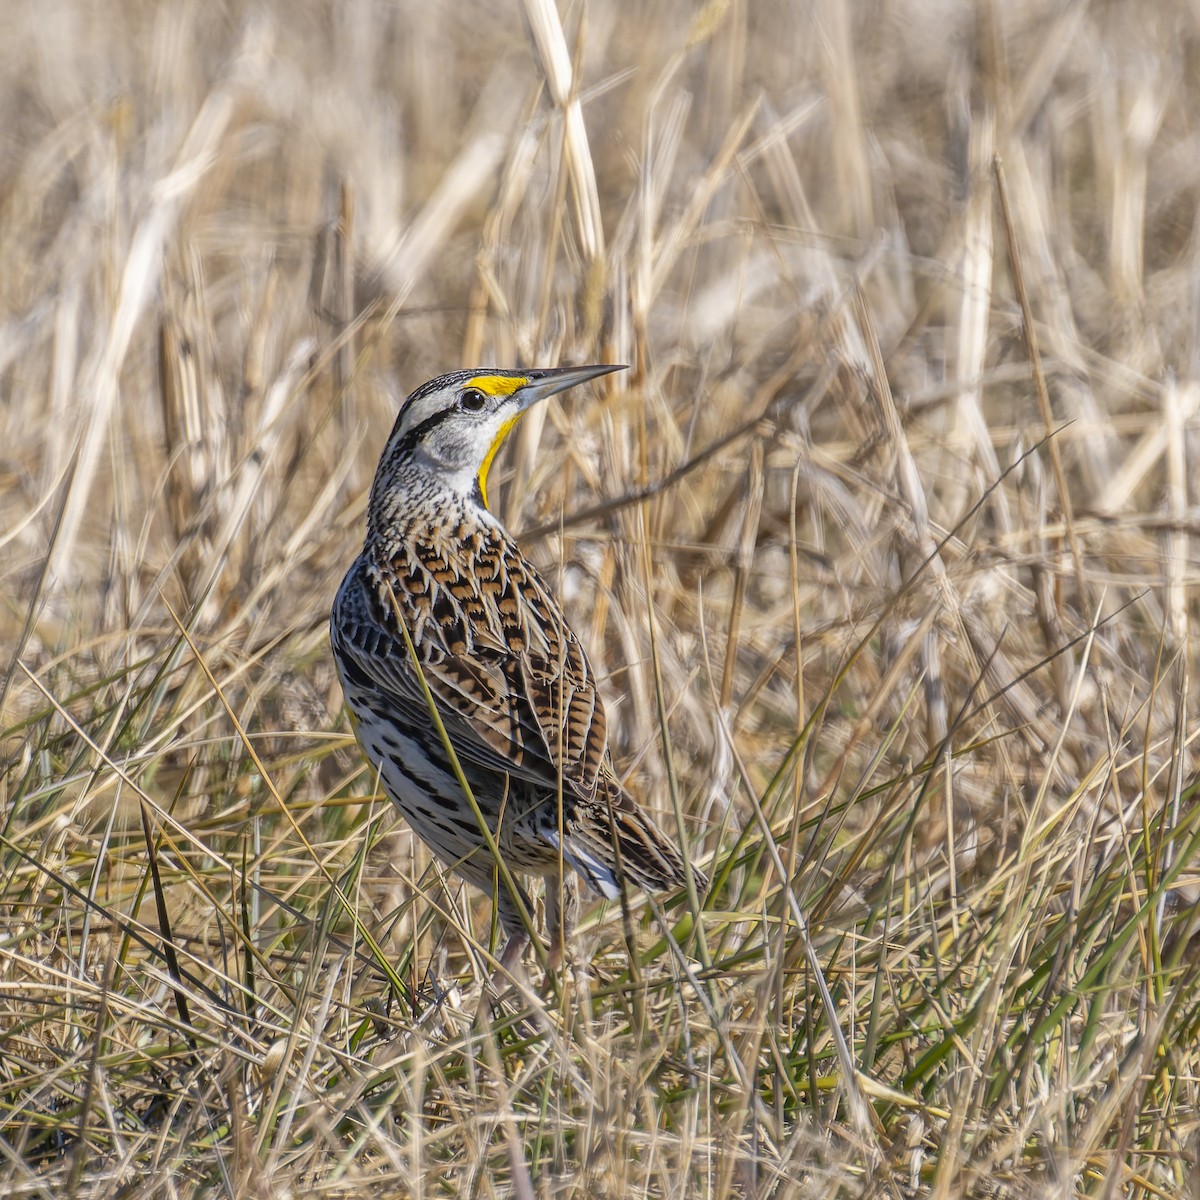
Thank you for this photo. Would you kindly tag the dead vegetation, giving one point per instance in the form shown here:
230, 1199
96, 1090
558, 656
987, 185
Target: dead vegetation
885, 546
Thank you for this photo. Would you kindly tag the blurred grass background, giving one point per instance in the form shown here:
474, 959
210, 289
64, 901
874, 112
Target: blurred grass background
884, 548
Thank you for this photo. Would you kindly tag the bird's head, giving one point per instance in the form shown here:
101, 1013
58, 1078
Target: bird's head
451, 427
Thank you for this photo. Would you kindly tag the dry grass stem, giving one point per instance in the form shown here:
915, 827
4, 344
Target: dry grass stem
885, 552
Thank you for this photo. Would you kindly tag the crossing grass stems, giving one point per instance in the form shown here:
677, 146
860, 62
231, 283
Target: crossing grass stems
883, 551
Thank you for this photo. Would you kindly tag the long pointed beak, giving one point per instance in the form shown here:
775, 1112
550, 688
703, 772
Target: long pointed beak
552, 380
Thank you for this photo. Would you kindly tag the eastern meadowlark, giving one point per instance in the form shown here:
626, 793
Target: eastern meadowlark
507, 676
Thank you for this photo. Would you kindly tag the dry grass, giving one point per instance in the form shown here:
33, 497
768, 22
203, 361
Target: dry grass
892, 590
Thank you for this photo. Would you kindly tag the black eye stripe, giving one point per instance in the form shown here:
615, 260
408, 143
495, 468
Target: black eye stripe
413, 438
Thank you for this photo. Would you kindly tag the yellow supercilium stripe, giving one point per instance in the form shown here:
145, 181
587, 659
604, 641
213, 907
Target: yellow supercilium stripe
497, 385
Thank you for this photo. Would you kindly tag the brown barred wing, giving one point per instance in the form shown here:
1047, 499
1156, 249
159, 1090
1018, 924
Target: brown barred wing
479, 697
569, 713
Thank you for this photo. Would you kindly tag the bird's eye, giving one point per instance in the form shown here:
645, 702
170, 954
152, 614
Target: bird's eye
473, 400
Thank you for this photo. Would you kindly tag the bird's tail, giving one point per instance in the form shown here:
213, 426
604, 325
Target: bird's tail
609, 838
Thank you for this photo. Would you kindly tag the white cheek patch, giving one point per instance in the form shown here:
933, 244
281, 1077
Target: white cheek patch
455, 478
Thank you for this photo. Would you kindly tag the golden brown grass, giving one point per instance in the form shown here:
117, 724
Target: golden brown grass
885, 547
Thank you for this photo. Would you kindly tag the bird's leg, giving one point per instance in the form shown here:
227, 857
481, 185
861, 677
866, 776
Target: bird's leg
510, 956
503, 976
562, 910
518, 937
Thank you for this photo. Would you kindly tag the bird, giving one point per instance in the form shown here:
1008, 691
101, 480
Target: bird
443, 598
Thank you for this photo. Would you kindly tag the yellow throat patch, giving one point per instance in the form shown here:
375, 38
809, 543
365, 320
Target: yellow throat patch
495, 385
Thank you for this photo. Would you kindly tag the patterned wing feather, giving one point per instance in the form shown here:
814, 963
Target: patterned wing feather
569, 713
504, 708
478, 706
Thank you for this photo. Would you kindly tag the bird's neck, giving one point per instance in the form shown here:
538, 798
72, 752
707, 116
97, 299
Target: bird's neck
413, 496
